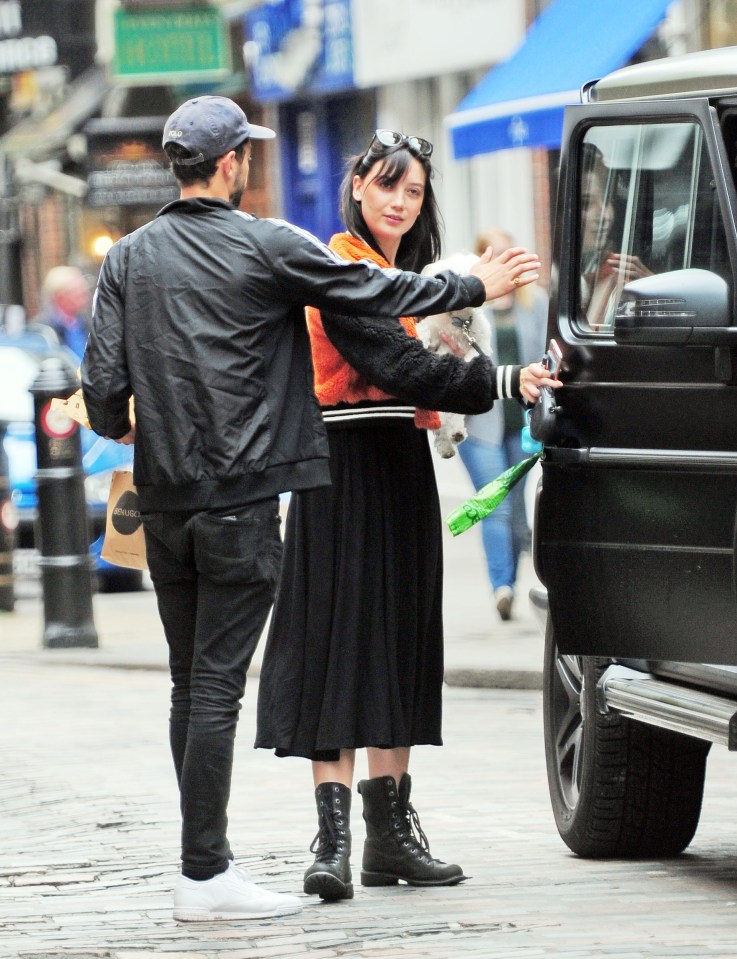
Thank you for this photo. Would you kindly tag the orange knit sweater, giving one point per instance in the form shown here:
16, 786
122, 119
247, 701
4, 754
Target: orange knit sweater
335, 380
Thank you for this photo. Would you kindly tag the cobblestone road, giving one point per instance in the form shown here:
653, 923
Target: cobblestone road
89, 838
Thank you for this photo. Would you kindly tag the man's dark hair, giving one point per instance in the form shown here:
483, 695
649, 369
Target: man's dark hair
198, 172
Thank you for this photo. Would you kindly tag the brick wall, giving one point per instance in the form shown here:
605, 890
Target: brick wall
541, 192
46, 228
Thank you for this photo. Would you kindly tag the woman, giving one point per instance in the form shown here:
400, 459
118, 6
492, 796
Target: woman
604, 271
494, 443
354, 656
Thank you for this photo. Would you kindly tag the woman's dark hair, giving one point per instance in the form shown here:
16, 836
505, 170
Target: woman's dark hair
420, 245
197, 172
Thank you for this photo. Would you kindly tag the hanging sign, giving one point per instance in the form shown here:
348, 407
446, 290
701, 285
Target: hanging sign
171, 46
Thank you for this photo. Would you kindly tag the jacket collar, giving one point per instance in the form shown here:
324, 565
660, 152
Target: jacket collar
195, 205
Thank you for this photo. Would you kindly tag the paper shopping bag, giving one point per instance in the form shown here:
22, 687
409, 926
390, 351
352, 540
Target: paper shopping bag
74, 407
124, 543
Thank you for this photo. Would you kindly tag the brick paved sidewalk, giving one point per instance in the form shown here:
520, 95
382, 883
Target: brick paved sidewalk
89, 833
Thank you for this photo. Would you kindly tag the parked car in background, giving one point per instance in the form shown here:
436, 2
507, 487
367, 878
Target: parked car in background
635, 532
20, 358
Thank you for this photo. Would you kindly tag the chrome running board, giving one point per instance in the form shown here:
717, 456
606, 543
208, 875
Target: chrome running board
642, 697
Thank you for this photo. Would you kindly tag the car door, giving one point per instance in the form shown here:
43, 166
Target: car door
635, 522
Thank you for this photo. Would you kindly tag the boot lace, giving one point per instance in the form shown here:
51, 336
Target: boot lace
411, 832
325, 843
413, 820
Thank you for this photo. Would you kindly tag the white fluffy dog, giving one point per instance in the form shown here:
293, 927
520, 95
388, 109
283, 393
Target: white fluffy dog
469, 331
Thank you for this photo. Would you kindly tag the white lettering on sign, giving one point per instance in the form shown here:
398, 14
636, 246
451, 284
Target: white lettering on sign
27, 53
11, 23
57, 448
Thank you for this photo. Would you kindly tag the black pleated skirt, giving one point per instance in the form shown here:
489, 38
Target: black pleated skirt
354, 654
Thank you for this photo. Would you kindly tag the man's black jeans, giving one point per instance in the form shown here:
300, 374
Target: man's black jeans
215, 576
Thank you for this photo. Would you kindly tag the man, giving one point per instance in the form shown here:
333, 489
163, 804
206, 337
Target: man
199, 314
66, 297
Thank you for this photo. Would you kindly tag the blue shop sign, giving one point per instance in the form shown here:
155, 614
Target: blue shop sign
299, 46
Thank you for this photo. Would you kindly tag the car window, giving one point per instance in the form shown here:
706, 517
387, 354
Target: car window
647, 204
18, 370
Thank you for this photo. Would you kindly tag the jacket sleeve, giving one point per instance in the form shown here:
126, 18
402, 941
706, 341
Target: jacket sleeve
312, 274
400, 365
105, 381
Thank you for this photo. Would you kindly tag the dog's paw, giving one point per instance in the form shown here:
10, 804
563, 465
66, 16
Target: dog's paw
444, 447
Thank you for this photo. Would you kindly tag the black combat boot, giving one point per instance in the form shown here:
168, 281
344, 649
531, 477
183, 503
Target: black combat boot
329, 877
392, 851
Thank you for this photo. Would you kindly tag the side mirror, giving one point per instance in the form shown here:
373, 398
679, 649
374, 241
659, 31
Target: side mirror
683, 306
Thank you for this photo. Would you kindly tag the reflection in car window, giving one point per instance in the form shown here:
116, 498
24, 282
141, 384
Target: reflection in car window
647, 205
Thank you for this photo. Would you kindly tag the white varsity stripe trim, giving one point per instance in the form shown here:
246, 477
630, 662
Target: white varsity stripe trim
368, 413
504, 382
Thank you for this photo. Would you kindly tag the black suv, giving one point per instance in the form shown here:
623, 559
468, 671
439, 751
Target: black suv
635, 533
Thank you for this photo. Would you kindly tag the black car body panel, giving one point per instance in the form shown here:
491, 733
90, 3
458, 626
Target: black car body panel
635, 532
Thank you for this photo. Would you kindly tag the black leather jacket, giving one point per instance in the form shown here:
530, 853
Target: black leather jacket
199, 315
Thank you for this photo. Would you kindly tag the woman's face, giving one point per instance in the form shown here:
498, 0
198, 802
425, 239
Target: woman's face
390, 211
598, 216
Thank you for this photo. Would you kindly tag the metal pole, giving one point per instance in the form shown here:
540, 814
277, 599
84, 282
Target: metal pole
10, 274
61, 529
8, 525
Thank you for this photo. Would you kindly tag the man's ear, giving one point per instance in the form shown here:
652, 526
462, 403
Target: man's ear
226, 162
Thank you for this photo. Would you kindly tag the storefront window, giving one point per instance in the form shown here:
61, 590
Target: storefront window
722, 23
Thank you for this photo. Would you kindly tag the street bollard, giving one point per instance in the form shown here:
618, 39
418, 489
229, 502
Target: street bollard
8, 526
61, 527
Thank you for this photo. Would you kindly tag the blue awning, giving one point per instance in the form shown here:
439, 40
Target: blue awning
520, 102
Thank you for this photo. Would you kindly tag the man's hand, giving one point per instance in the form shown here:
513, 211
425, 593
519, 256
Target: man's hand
507, 272
128, 440
532, 377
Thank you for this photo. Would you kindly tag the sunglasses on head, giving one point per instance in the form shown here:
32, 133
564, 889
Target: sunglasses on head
416, 145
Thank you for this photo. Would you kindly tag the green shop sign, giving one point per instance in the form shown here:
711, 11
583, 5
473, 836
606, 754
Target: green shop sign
170, 46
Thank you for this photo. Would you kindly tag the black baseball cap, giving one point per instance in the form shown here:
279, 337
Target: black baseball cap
207, 127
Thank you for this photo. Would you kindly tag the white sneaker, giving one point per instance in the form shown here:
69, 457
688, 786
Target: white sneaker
504, 597
229, 895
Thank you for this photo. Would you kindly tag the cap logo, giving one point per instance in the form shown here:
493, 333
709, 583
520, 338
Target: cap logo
175, 133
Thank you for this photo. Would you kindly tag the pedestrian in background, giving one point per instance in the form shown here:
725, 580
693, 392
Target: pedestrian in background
518, 328
200, 315
64, 315
354, 656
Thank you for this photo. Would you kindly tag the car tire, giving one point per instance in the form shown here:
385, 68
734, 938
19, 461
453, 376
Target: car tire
618, 788
119, 581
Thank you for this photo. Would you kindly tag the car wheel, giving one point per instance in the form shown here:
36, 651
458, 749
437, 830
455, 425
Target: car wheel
619, 788
119, 581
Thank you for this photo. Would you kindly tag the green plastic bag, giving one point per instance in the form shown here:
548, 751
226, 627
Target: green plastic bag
488, 497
